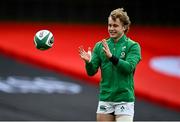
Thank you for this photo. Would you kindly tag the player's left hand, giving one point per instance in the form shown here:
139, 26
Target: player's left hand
106, 48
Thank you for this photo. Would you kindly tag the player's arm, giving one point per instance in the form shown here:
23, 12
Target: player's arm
132, 59
92, 61
93, 65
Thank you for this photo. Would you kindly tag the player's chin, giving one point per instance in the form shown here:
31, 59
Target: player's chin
113, 35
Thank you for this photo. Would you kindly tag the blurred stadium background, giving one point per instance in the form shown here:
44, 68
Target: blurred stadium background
53, 85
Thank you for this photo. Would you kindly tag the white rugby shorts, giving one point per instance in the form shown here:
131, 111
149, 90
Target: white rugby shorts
116, 108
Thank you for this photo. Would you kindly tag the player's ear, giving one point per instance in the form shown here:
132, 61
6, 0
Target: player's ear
124, 28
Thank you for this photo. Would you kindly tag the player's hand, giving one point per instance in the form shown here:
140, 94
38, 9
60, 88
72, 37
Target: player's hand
86, 56
106, 49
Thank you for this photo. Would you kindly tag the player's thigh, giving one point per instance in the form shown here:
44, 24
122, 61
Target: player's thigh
124, 118
105, 117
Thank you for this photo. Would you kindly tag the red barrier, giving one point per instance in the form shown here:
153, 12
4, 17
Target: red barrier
17, 41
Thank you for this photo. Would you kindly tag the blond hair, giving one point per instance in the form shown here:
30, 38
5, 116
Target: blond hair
122, 16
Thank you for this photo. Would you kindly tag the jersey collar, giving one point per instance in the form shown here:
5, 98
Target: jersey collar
121, 40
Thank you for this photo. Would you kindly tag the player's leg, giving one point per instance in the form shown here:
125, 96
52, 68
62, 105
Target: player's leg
124, 111
105, 111
105, 117
124, 118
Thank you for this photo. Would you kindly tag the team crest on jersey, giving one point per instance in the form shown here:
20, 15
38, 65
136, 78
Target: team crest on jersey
123, 48
123, 52
122, 55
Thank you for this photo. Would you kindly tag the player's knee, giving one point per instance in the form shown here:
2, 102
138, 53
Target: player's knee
124, 118
105, 117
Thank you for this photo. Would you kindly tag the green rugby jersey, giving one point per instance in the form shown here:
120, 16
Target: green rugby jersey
117, 82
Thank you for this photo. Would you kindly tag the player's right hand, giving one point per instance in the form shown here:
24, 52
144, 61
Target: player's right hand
86, 56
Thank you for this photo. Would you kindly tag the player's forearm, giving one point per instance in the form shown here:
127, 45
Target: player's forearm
127, 66
123, 65
90, 69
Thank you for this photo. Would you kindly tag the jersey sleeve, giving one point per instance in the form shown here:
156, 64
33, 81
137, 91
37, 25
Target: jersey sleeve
93, 65
133, 57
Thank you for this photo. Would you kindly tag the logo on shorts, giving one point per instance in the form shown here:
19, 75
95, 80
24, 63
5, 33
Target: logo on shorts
122, 108
103, 108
